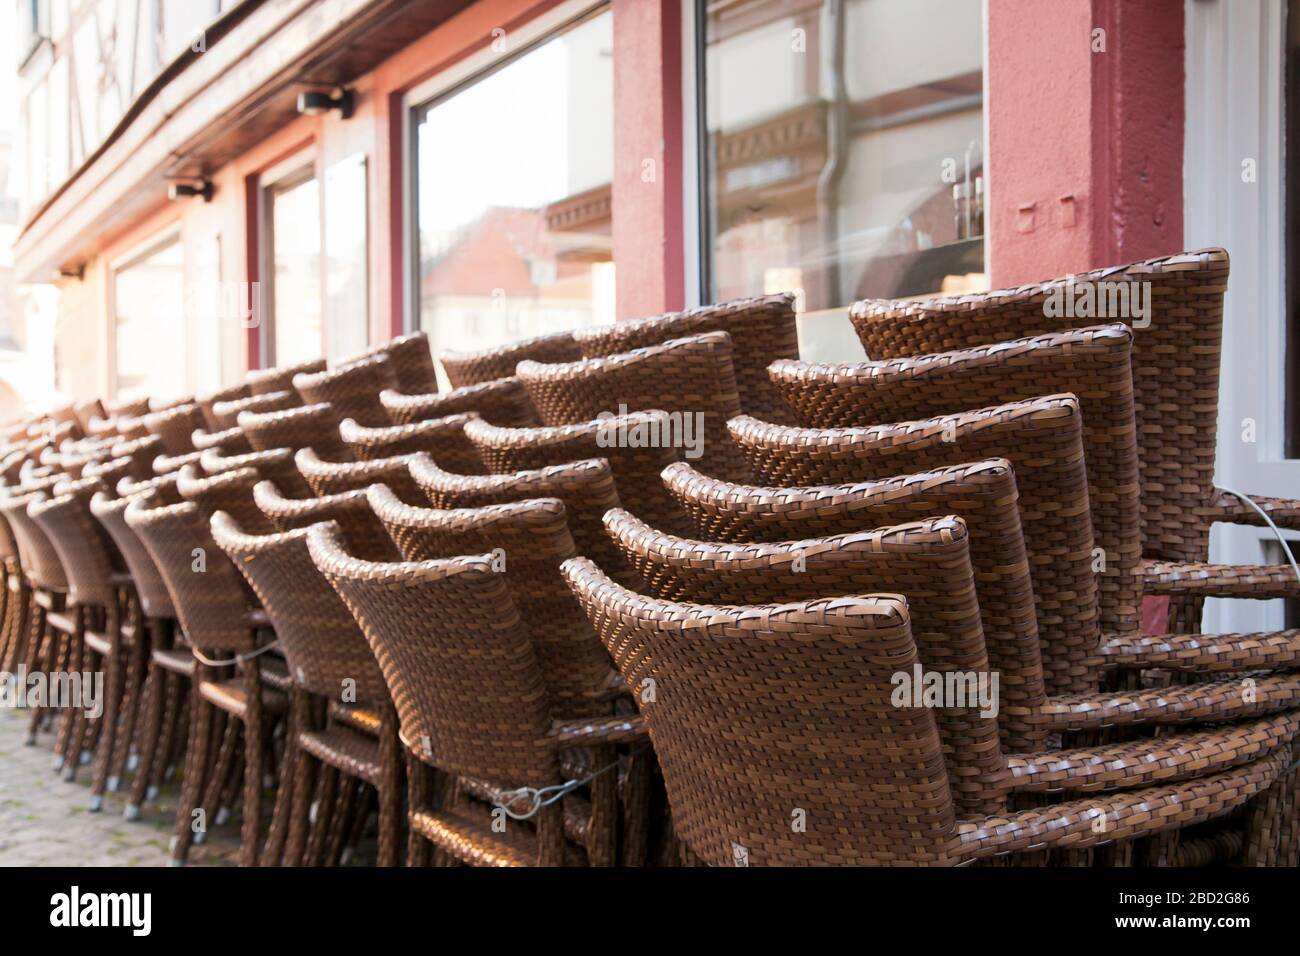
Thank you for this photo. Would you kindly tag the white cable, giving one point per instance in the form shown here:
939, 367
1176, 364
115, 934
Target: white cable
237, 659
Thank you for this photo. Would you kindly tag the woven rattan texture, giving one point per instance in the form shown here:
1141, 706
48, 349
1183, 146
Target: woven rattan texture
485, 365
502, 401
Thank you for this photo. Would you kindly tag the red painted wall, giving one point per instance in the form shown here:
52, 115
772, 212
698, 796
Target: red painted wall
647, 189
1085, 147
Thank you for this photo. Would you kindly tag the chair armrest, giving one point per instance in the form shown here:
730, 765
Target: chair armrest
599, 730
1227, 507
1259, 581
1204, 652
1079, 824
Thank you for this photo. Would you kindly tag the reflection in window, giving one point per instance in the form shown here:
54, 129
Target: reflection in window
513, 196
150, 326
294, 224
345, 257
845, 153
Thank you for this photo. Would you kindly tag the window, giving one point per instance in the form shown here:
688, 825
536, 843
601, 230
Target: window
512, 186
843, 148
150, 331
1291, 227
346, 289
293, 245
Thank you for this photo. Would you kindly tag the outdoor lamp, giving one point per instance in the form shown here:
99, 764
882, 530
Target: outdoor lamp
315, 102
185, 190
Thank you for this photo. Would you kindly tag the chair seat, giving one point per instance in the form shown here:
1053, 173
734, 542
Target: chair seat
350, 751
357, 717
465, 831
61, 621
231, 697
275, 672
98, 642
178, 660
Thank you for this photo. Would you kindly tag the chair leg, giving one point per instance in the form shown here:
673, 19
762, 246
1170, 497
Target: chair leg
115, 691
201, 714
273, 853
390, 794
347, 804
636, 808
137, 663
602, 834
153, 702
221, 770
326, 794
254, 741
304, 788
175, 730
417, 798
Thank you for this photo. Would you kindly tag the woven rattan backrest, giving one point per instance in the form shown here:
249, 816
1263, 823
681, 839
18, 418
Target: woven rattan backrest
163, 488
459, 663
307, 426
276, 465
762, 711
166, 464
175, 427
586, 488
36, 552
692, 379
227, 413
410, 359
8, 546
352, 389
636, 463
1176, 356
206, 400
363, 532
86, 554
142, 452
1093, 364
762, 330
110, 471
443, 438
155, 600
280, 379
983, 493
326, 651
928, 561
486, 365
330, 478
209, 595
87, 410
231, 441
128, 408
228, 491
1042, 439
502, 401
529, 540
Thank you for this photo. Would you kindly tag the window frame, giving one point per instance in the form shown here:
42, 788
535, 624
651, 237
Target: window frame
294, 170
466, 72
156, 242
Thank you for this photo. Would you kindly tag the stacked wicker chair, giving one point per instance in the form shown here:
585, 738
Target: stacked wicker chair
584, 635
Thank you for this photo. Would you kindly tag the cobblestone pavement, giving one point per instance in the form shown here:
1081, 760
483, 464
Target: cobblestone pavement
44, 821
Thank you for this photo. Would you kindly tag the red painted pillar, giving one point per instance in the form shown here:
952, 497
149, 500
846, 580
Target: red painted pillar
647, 188
1086, 116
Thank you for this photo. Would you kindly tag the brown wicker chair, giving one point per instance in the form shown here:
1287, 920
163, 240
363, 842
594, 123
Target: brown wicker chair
228, 394
502, 401
99, 640
329, 658
330, 478
276, 465
175, 426
762, 330
307, 426
231, 441
636, 467
263, 381
411, 361
886, 804
529, 538
226, 414
128, 408
87, 411
692, 379
586, 488
471, 698
486, 365
443, 438
215, 610
142, 452
352, 389
228, 491
363, 533
164, 669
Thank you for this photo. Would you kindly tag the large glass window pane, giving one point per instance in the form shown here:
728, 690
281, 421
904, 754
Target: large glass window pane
295, 233
513, 178
346, 229
844, 148
150, 327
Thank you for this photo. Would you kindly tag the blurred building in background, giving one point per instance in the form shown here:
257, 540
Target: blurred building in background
209, 186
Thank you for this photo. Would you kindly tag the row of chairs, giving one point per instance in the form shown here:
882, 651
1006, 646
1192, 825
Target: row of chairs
578, 637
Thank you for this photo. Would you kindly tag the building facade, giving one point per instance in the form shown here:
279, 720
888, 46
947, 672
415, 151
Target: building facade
502, 168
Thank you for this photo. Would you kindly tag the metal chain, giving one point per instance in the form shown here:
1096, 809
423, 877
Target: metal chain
540, 797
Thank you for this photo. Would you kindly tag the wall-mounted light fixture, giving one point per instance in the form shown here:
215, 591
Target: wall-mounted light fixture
316, 102
70, 272
202, 187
